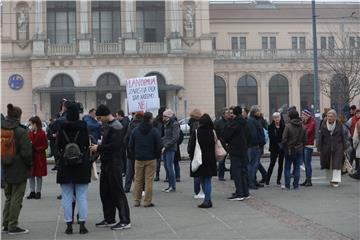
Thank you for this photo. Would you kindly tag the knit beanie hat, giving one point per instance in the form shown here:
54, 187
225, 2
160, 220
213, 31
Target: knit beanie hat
13, 111
102, 110
306, 112
168, 113
195, 114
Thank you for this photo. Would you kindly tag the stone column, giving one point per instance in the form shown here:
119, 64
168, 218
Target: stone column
130, 17
264, 94
175, 40
39, 37
84, 38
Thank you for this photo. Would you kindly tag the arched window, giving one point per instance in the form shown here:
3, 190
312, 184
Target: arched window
60, 82
339, 93
307, 91
161, 83
278, 93
247, 91
109, 96
108, 80
220, 94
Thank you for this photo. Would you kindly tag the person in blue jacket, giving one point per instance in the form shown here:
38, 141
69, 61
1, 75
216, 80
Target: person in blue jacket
93, 125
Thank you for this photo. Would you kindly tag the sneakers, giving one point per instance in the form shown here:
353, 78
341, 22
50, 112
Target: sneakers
121, 226
38, 195
205, 205
31, 195
150, 205
235, 198
18, 231
200, 195
104, 224
5, 230
170, 189
334, 184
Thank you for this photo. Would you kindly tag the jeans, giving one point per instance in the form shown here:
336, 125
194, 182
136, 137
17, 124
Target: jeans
273, 156
67, 193
307, 161
14, 194
221, 169
254, 154
129, 177
177, 169
168, 157
197, 185
296, 162
206, 186
35, 187
262, 171
239, 171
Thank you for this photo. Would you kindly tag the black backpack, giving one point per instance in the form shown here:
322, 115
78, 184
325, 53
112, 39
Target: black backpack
72, 153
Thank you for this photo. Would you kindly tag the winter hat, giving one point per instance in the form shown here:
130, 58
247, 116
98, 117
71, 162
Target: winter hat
306, 112
195, 114
293, 114
168, 113
102, 110
292, 108
139, 115
237, 110
13, 111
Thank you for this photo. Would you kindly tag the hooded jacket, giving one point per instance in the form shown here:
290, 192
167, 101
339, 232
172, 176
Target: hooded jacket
19, 170
294, 135
145, 142
237, 136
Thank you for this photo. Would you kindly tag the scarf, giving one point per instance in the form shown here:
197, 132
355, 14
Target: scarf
330, 127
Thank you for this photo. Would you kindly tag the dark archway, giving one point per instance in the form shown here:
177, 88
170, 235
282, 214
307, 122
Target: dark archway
247, 92
60, 81
220, 94
105, 95
278, 93
307, 91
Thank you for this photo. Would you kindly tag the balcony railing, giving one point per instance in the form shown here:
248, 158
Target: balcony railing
61, 49
290, 54
152, 47
107, 48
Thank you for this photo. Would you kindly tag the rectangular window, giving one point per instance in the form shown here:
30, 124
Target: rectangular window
323, 43
331, 42
242, 41
214, 43
106, 21
150, 20
61, 21
234, 43
272, 42
294, 44
264, 43
302, 43
352, 42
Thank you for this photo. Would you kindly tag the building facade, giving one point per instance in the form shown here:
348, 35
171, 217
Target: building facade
205, 55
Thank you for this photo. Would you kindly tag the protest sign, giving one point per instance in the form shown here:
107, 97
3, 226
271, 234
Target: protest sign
142, 94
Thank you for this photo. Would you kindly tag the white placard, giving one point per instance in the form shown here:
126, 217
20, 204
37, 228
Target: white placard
142, 94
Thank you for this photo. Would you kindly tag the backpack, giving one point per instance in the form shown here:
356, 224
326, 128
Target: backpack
72, 153
7, 146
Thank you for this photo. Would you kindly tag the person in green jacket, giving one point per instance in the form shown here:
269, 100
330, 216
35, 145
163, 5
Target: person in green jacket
16, 172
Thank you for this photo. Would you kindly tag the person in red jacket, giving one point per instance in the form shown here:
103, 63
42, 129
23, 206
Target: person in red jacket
350, 124
40, 144
309, 126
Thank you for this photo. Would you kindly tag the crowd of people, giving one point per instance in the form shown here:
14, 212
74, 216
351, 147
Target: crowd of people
130, 150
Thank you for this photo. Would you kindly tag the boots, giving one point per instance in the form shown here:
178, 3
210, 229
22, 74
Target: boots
83, 229
38, 195
69, 229
307, 183
31, 195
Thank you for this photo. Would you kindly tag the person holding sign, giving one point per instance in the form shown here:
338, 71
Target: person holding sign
169, 143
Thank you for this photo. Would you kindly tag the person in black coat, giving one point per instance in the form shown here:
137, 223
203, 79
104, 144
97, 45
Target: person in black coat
237, 136
158, 123
276, 130
73, 178
111, 186
205, 136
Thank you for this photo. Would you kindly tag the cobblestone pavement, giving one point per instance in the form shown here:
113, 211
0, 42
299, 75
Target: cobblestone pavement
320, 212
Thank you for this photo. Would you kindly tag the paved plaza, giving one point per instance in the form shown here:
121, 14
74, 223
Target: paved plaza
320, 212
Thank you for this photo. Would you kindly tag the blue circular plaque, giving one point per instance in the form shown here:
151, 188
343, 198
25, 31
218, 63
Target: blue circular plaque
16, 82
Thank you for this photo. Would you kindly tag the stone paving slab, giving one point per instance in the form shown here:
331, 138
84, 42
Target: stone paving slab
319, 212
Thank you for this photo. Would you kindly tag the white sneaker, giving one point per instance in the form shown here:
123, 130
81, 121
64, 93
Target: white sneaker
170, 190
200, 195
302, 167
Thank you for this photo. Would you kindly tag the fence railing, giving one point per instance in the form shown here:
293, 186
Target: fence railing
107, 48
61, 49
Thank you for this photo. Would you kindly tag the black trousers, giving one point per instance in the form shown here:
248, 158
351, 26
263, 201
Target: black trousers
239, 173
113, 196
273, 157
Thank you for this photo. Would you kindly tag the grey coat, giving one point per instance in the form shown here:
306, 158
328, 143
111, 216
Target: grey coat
171, 135
331, 147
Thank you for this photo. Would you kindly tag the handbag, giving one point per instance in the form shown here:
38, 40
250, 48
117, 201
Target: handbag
347, 167
220, 152
197, 159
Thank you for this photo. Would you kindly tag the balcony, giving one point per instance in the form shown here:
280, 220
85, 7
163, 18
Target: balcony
286, 54
152, 47
107, 48
61, 49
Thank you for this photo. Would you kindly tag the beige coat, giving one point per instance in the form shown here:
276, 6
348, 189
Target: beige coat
356, 140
